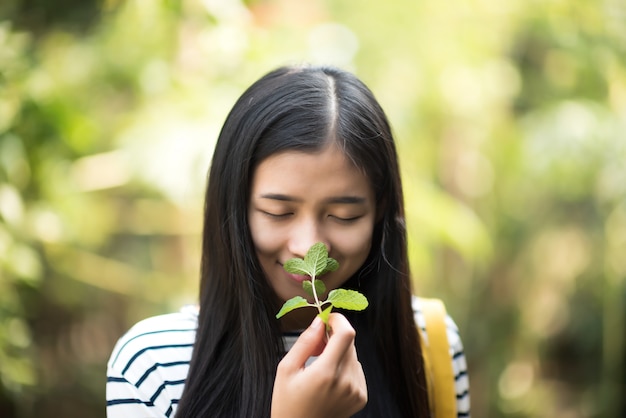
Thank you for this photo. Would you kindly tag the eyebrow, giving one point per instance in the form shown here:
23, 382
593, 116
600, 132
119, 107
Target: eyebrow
353, 200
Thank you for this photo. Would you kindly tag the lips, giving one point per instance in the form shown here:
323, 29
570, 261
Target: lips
297, 277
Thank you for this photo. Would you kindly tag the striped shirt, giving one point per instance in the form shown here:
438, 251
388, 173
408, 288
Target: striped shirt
148, 366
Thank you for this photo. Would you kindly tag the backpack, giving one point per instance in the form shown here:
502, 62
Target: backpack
438, 361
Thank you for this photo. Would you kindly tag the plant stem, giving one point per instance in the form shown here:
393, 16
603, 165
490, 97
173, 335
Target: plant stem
317, 301
319, 306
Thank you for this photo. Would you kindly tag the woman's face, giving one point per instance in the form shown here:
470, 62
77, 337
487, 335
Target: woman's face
298, 199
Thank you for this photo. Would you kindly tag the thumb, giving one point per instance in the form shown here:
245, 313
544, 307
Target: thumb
310, 343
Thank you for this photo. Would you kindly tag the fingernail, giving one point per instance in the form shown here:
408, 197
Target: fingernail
317, 322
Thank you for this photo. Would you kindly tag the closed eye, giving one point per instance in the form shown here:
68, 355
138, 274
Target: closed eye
346, 220
276, 215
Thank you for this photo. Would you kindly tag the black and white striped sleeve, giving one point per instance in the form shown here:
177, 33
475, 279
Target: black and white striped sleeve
459, 367
148, 367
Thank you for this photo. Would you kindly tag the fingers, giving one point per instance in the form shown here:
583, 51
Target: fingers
310, 343
313, 341
340, 343
336, 376
340, 362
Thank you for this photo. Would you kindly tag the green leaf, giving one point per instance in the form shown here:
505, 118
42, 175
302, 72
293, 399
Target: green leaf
293, 303
325, 313
297, 266
320, 287
331, 265
308, 287
315, 263
316, 258
347, 299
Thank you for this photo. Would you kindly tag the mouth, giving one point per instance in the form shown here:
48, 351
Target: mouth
298, 278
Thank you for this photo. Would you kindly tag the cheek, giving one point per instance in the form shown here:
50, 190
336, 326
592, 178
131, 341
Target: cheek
264, 239
356, 246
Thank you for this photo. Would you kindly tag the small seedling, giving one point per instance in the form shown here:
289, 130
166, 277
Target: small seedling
316, 263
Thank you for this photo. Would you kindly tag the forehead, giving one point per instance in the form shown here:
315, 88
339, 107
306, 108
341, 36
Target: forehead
327, 171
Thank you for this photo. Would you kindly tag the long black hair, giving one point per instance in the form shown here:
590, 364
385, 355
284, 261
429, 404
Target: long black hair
239, 341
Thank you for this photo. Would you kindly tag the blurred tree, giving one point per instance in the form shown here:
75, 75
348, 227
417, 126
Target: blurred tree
40, 16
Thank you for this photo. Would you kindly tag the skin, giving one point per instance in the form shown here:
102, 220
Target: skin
333, 386
298, 199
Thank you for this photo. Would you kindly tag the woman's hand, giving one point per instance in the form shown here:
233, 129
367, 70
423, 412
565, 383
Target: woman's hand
333, 386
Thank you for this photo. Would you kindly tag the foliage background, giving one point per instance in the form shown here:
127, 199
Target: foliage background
510, 118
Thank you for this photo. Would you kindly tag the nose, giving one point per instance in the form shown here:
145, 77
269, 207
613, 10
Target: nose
304, 235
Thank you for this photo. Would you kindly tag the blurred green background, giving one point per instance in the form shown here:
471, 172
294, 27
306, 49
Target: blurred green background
511, 122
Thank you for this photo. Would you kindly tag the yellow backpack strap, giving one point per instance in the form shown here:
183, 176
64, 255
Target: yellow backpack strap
438, 360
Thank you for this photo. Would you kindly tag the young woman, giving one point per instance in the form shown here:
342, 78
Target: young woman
306, 155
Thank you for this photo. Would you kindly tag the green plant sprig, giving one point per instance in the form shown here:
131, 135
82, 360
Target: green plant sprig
316, 262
